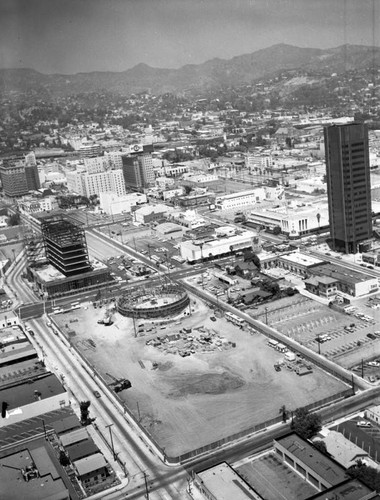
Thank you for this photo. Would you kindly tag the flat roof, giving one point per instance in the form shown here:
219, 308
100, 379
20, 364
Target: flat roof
225, 484
74, 437
24, 394
343, 274
48, 486
82, 449
66, 424
22, 370
324, 467
350, 490
90, 464
300, 258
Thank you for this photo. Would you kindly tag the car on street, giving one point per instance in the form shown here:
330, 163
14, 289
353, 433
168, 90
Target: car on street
371, 336
212, 318
97, 394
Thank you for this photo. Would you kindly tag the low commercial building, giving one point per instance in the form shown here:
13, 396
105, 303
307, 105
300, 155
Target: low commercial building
293, 221
170, 230
315, 467
242, 199
33, 398
82, 449
198, 250
344, 451
151, 213
92, 470
30, 473
194, 200
112, 204
323, 278
223, 483
349, 282
323, 286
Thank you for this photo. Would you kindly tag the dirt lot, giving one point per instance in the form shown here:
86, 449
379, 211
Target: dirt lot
187, 402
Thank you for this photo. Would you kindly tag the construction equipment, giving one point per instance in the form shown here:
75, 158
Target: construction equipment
119, 384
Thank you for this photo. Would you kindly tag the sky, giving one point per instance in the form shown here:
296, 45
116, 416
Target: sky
71, 36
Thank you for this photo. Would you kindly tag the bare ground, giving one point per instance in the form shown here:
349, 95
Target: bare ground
189, 402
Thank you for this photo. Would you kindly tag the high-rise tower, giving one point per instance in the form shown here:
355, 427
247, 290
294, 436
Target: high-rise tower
348, 185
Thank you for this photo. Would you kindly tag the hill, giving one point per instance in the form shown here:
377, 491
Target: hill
212, 74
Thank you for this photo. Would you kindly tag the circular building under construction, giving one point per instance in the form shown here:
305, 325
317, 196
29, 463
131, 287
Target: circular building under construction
162, 299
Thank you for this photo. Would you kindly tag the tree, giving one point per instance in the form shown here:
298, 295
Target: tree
285, 413
14, 219
369, 475
271, 286
84, 412
63, 458
250, 256
276, 230
306, 424
321, 446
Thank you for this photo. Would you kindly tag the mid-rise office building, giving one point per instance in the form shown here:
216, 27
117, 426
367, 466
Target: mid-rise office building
348, 185
17, 178
138, 171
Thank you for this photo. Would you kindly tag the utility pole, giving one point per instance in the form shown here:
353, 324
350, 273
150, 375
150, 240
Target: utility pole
266, 315
134, 323
111, 438
319, 343
146, 486
43, 423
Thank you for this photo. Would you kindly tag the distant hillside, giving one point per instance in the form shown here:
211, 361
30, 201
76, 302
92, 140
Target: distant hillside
214, 73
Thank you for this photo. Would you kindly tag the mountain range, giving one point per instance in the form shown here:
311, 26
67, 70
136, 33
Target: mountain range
239, 70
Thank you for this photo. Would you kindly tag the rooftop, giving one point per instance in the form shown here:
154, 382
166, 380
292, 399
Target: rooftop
29, 392
225, 484
343, 274
48, 486
90, 464
344, 451
350, 490
66, 424
323, 466
74, 437
82, 449
300, 258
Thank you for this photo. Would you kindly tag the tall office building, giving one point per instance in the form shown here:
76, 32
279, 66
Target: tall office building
19, 176
138, 171
348, 185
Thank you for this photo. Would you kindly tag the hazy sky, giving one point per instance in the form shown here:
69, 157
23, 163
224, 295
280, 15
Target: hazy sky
69, 36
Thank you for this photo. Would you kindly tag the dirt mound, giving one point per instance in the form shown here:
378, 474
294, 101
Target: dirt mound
206, 383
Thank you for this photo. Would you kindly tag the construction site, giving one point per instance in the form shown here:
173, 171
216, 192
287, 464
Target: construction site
193, 378
148, 301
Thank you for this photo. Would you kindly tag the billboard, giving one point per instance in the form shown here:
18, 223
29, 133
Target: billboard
136, 148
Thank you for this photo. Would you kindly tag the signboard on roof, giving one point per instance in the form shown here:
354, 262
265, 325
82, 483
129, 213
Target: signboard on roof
136, 148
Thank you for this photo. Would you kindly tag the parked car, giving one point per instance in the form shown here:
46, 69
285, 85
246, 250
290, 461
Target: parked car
371, 336
97, 394
363, 423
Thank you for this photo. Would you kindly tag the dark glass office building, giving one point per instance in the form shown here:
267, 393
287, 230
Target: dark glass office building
348, 185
